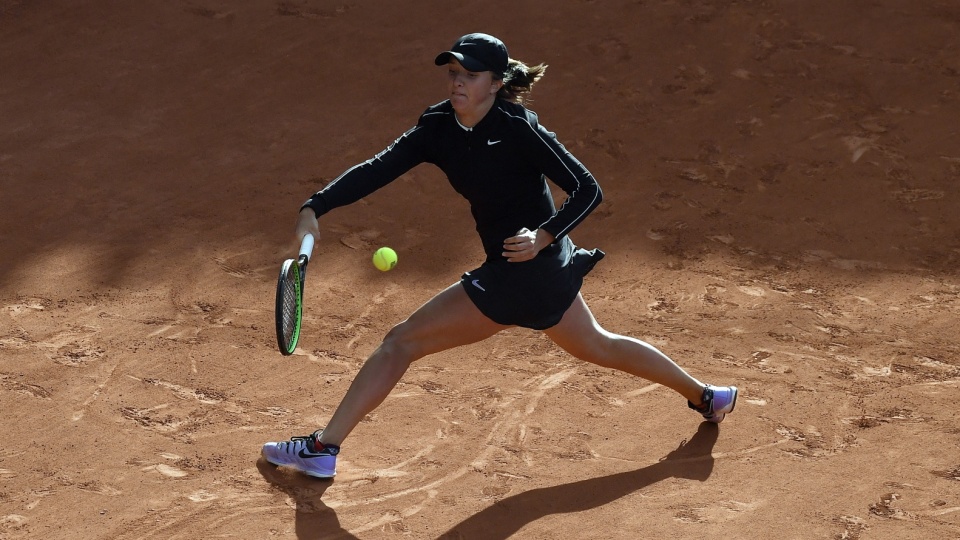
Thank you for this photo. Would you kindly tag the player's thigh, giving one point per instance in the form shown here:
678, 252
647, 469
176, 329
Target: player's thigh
579, 334
447, 320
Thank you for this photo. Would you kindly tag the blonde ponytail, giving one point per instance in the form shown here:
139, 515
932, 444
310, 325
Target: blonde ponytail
518, 81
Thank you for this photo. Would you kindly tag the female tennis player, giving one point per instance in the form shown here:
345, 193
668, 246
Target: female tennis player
497, 155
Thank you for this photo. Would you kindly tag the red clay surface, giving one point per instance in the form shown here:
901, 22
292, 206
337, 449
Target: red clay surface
780, 214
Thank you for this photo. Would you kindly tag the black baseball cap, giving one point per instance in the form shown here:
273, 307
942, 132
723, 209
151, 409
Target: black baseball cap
478, 52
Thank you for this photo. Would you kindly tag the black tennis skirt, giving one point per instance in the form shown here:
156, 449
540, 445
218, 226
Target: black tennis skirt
535, 293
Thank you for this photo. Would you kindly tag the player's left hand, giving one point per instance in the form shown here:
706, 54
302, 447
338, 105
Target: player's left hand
526, 244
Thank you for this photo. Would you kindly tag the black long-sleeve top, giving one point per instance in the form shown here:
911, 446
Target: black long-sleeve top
500, 166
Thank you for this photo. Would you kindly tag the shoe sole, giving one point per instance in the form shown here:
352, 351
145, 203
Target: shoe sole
323, 475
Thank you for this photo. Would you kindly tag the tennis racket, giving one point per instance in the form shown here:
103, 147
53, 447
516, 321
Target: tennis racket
289, 313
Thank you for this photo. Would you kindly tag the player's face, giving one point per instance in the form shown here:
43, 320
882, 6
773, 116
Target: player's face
470, 91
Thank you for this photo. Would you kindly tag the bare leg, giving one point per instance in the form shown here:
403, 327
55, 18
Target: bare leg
579, 334
448, 320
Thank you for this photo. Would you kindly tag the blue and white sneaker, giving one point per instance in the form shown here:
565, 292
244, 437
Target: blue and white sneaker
717, 402
305, 453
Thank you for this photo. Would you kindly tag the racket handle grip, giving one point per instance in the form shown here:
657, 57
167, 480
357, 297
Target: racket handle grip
306, 246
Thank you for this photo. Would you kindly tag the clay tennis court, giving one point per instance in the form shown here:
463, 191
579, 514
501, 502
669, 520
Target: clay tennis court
781, 213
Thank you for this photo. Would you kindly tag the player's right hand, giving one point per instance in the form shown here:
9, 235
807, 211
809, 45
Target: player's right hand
307, 224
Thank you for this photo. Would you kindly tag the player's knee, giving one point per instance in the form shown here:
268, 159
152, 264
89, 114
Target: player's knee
601, 349
400, 343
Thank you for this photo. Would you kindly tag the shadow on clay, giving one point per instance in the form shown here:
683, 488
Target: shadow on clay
314, 519
692, 460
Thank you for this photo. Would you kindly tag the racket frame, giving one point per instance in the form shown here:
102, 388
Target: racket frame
299, 269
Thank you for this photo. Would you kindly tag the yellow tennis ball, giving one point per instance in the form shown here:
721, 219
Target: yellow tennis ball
385, 259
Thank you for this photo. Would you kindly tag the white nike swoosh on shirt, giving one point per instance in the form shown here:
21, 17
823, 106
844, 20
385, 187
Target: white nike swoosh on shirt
476, 282
491, 143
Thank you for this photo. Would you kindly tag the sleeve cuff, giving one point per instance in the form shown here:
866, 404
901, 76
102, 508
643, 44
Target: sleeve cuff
317, 204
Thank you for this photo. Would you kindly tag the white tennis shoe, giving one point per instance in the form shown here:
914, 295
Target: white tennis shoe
304, 453
717, 402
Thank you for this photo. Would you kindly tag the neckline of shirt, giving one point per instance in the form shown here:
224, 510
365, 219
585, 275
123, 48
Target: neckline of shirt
465, 128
